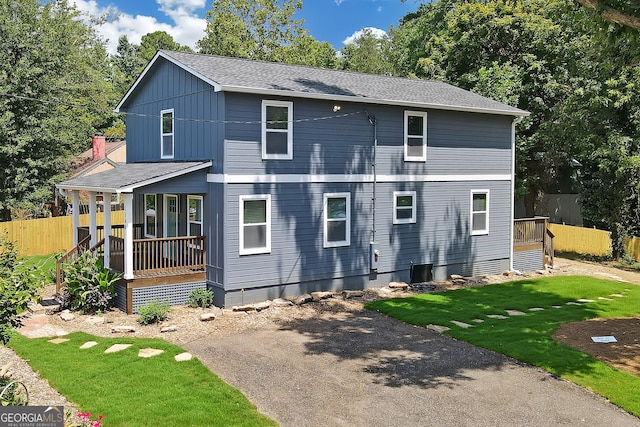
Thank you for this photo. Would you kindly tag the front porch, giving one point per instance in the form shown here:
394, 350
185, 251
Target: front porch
160, 251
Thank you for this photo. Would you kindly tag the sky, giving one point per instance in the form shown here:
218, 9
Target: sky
335, 21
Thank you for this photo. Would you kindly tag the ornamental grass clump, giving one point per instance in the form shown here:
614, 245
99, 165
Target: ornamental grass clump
153, 312
200, 298
89, 286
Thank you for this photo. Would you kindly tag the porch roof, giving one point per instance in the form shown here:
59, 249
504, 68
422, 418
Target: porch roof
130, 176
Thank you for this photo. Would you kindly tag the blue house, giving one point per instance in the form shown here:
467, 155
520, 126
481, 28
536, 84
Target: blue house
262, 180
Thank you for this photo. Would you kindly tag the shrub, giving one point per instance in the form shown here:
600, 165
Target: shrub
153, 312
200, 298
12, 393
17, 287
89, 286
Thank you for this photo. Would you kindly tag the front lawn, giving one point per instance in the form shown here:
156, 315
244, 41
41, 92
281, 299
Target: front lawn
133, 391
528, 337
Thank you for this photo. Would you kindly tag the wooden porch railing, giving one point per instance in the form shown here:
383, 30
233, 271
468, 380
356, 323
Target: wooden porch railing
116, 230
68, 257
532, 231
168, 255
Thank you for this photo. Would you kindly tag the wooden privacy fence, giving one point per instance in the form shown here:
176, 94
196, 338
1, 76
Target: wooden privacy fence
48, 235
589, 241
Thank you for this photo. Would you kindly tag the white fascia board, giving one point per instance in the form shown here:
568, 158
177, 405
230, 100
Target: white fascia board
356, 99
131, 188
81, 188
160, 54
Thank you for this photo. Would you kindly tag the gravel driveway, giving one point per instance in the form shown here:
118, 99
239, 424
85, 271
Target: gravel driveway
360, 368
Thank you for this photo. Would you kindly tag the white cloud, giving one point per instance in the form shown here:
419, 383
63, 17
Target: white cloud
377, 32
187, 27
338, 2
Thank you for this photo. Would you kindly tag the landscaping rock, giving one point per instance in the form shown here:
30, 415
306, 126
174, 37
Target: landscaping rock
149, 352
281, 302
58, 340
262, 305
302, 299
456, 277
207, 317
183, 357
122, 329
246, 307
67, 316
514, 313
437, 328
232, 314
317, 296
398, 285
95, 320
171, 328
509, 273
352, 294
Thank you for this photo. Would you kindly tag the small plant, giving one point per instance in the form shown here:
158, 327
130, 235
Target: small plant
89, 286
200, 298
153, 312
12, 393
84, 419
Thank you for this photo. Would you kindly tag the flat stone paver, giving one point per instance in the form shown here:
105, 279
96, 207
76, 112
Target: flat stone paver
116, 348
183, 357
515, 313
365, 369
438, 328
88, 344
536, 309
617, 295
573, 303
497, 316
461, 324
605, 298
149, 352
58, 340
585, 300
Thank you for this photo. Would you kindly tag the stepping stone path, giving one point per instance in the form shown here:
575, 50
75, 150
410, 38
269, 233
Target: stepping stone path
617, 295
149, 352
116, 348
437, 328
586, 300
88, 344
461, 324
536, 309
605, 299
496, 316
58, 340
183, 357
515, 313
573, 303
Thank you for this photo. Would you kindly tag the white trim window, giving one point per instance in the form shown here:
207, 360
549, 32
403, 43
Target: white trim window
166, 134
404, 207
337, 219
150, 216
415, 136
194, 227
255, 224
277, 130
479, 212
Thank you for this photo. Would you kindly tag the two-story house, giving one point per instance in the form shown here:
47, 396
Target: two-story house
262, 180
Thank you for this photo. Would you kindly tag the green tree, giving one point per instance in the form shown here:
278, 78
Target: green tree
264, 30
153, 42
50, 61
367, 54
623, 12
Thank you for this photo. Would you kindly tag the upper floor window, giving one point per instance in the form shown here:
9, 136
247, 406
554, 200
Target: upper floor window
277, 130
166, 143
404, 207
337, 219
479, 212
255, 224
150, 216
415, 136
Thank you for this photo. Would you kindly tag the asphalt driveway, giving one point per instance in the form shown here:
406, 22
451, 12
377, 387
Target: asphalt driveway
364, 369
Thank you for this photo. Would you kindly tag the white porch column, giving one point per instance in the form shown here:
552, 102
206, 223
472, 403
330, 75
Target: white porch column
128, 235
75, 206
93, 211
106, 197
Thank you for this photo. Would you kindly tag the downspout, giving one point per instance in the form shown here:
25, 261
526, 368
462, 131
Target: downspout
373, 251
516, 120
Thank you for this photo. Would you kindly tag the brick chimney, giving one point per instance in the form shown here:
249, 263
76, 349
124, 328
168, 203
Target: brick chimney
98, 146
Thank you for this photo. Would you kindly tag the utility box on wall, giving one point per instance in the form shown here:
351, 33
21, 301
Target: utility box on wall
375, 255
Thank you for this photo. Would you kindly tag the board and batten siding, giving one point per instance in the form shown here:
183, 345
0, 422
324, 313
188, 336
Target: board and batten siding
198, 113
441, 235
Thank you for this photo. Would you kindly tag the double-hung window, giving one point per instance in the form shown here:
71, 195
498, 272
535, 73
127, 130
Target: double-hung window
277, 130
404, 207
150, 216
255, 224
479, 212
415, 136
337, 219
166, 130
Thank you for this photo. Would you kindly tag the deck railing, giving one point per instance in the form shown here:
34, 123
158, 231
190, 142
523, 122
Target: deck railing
116, 230
529, 230
168, 255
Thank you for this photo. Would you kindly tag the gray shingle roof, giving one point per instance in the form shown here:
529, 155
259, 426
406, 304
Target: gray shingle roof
127, 177
244, 75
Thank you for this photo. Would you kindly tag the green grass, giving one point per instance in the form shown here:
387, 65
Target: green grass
529, 337
133, 391
44, 263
